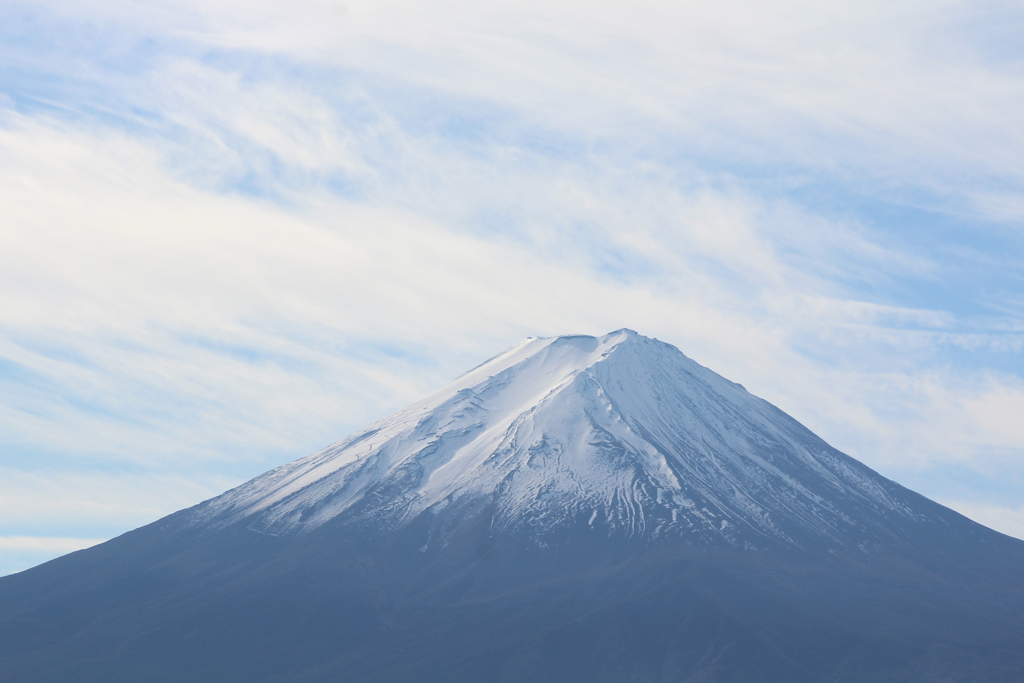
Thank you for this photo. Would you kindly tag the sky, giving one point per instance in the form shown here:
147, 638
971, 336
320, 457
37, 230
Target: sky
232, 233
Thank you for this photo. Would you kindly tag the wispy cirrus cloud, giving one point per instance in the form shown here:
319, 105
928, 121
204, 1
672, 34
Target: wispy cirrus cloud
235, 231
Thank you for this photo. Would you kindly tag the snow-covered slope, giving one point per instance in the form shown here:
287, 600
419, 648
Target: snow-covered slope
620, 435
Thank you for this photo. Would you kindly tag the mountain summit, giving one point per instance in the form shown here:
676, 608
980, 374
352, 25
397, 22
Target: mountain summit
622, 434
576, 509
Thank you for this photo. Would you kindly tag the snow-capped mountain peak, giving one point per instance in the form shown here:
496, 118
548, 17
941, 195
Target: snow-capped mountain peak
619, 434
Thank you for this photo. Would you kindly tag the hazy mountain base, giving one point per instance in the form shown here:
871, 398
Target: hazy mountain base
160, 604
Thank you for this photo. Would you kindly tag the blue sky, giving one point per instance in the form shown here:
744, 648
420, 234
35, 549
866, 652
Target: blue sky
234, 232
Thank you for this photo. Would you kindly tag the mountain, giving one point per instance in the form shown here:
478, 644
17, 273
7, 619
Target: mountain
575, 509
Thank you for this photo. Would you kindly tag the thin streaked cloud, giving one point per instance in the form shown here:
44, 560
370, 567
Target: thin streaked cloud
234, 232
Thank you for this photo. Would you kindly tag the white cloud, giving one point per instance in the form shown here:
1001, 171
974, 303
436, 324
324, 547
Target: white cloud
1007, 520
898, 91
46, 544
18, 553
236, 321
229, 266
52, 502
905, 93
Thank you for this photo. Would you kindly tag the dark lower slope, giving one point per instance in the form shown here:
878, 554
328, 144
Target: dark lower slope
161, 604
